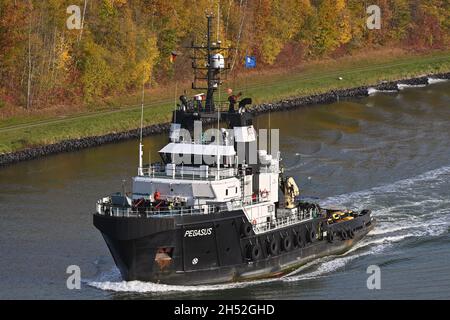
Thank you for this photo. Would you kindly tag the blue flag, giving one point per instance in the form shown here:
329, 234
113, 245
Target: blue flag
250, 62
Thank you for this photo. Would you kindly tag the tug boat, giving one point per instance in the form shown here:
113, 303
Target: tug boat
215, 209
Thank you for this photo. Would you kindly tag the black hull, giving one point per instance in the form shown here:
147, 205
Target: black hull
210, 249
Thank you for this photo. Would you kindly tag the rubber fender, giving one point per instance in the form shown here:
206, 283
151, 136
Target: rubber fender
330, 236
273, 247
254, 252
351, 233
310, 235
246, 229
299, 239
287, 243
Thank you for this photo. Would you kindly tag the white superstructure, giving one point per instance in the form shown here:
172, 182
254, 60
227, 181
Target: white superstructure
182, 181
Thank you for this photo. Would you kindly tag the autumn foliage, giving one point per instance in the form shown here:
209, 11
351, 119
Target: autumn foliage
125, 43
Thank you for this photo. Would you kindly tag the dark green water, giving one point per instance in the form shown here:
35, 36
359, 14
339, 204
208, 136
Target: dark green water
389, 152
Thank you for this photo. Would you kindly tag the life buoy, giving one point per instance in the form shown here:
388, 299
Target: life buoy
287, 243
264, 193
246, 229
157, 195
254, 252
273, 247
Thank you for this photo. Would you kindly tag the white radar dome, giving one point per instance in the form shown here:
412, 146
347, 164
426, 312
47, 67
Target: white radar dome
218, 61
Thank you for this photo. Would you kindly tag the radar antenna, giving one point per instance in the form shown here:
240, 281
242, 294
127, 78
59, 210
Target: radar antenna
209, 62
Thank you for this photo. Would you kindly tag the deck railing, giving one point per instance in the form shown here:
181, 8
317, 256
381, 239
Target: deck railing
187, 172
108, 209
302, 215
132, 212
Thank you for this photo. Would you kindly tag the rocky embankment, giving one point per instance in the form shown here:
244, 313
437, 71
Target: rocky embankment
335, 95
328, 97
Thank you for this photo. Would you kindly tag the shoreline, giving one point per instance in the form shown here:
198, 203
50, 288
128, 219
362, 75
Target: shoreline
286, 104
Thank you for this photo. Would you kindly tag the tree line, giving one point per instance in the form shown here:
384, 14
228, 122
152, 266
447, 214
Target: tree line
125, 43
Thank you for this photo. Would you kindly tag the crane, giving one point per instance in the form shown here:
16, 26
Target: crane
290, 190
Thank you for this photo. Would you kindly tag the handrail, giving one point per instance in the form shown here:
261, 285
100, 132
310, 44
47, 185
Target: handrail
130, 212
126, 211
302, 215
187, 172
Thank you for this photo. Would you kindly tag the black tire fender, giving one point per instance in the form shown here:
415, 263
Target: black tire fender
299, 239
287, 243
273, 246
330, 236
310, 234
351, 233
246, 229
254, 251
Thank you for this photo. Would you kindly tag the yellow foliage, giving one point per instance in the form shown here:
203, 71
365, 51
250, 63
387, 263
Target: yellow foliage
340, 5
144, 67
270, 49
125, 42
345, 30
276, 23
62, 55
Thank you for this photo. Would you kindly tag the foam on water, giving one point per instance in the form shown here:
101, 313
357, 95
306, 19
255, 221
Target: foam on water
428, 216
436, 80
372, 91
117, 285
402, 187
402, 86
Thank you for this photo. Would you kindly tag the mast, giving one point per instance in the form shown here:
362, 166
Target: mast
209, 106
141, 146
209, 63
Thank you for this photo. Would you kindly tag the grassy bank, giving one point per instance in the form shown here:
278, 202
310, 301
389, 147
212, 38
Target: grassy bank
20, 132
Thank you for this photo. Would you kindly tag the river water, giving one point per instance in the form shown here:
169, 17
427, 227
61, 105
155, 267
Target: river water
389, 152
